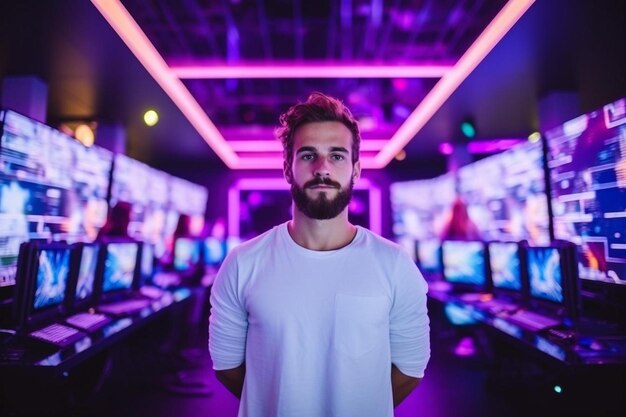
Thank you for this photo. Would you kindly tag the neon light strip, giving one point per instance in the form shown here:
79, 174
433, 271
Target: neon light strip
276, 146
276, 162
375, 200
307, 70
435, 98
136, 40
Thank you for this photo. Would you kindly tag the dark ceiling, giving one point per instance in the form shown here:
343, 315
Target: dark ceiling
571, 45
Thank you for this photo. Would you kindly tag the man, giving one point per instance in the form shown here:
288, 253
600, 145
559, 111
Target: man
318, 317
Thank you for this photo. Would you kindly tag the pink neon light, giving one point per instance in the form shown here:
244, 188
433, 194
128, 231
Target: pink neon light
276, 162
276, 146
307, 70
136, 40
500, 25
446, 148
375, 201
132, 35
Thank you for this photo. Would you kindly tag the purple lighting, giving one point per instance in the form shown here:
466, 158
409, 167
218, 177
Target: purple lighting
260, 184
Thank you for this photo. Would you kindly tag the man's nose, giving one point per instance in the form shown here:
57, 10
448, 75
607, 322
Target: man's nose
321, 168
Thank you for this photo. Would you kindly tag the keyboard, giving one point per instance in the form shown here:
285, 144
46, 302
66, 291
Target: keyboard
532, 321
495, 306
88, 321
124, 307
153, 293
58, 334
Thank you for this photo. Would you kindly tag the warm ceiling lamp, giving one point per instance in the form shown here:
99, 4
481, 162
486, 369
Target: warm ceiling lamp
151, 117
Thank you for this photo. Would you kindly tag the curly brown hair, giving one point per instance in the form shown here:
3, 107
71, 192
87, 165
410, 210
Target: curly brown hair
317, 108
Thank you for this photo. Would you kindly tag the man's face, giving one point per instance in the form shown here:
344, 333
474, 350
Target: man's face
322, 174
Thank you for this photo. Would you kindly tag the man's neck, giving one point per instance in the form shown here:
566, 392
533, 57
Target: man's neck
321, 235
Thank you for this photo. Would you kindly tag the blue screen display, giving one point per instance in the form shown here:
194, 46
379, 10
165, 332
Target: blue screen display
505, 265
464, 262
545, 275
86, 272
186, 253
52, 273
119, 266
587, 161
428, 255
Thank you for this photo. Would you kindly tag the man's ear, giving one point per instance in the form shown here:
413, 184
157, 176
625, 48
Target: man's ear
356, 171
287, 172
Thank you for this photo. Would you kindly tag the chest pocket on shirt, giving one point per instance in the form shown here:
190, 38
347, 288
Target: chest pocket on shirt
361, 323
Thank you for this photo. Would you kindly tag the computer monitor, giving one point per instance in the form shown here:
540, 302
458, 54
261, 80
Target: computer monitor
429, 256
146, 263
120, 269
465, 265
553, 279
48, 278
83, 283
187, 253
588, 178
505, 269
214, 251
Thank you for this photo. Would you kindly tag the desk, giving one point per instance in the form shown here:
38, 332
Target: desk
591, 347
28, 366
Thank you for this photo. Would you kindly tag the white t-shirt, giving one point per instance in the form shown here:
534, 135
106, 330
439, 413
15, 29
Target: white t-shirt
319, 330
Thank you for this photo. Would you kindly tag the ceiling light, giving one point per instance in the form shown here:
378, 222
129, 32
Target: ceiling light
151, 117
534, 137
468, 128
85, 134
401, 156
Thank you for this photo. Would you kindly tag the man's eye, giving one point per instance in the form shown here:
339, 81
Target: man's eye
307, 157
337, 157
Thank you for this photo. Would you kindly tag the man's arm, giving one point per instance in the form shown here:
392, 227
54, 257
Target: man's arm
401, 385
232, 379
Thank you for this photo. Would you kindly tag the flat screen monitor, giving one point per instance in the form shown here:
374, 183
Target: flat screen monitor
506, 197
504, 264
86, 274
429, 256
464, 264
119, 267
420, 208
545, 274
553, 279
147, 261
187, 253
214, 251
51, 188
586, 160
49, 278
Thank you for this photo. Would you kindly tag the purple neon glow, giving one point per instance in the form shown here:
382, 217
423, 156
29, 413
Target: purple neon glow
276, 146
136, 40
375, 200
252, 70
435, 98
483, 146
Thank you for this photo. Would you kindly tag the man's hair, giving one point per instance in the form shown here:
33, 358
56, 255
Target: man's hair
317, 108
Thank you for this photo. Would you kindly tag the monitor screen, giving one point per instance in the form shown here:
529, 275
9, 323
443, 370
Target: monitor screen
86, 272
147, 260
51, 187
119, 266
504, 263
464, 262
53, 267
588, 189
544, 273
186, 253
428, 255
420, 208
214, 251
505, 195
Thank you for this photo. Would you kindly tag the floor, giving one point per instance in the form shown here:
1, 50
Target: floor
150, 378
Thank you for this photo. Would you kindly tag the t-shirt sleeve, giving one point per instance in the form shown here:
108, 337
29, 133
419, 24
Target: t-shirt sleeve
409, 323
228, 322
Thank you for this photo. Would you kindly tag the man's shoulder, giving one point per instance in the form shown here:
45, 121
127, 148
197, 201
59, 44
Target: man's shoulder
259, 243
379, 243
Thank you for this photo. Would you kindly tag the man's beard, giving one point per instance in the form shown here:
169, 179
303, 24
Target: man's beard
320, 207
